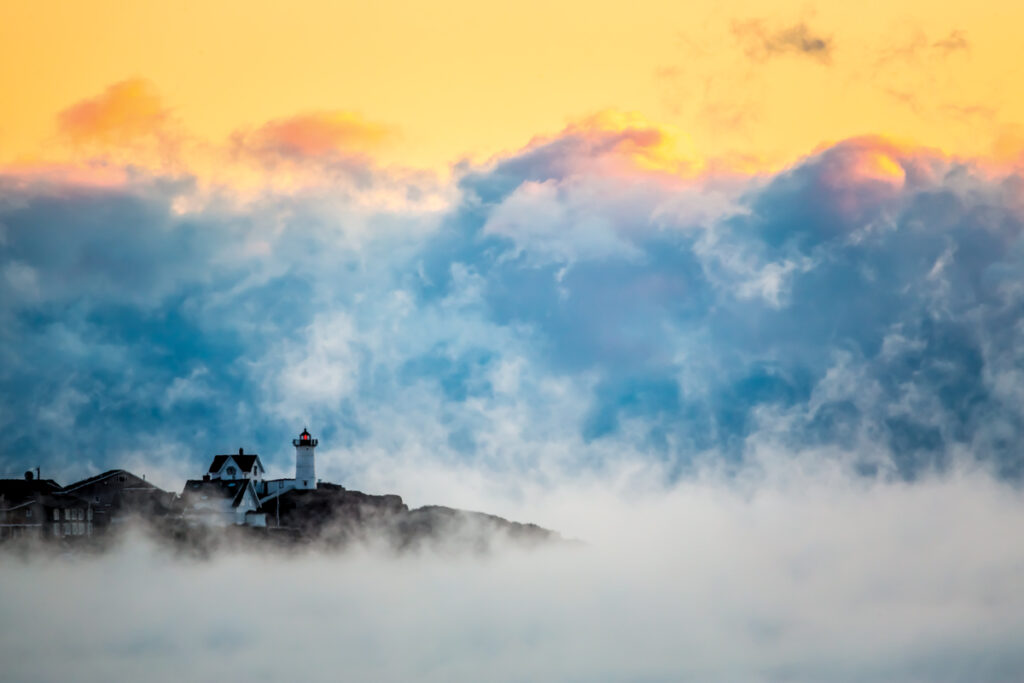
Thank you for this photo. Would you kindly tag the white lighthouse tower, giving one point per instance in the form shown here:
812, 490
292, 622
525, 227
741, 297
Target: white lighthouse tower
305, 468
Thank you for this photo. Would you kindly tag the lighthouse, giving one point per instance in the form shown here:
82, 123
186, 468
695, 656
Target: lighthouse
305, 468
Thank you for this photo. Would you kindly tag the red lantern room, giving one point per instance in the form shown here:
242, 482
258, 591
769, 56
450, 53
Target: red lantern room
305, 439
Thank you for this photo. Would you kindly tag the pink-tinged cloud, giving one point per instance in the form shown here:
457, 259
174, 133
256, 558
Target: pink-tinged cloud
65, 176
865, 173
316, 135
614, 144
122, 112
872, 160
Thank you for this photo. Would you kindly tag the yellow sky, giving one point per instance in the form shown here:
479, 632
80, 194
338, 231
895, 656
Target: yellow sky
454, 78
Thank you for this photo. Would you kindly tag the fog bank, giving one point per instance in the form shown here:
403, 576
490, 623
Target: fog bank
801, 575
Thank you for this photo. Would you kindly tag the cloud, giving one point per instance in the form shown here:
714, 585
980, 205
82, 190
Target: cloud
622, 147
336, 152
762, 43
123, 131
125, 110
774, 407
315, 135
955, 41
920, 47
126, 133
571, 305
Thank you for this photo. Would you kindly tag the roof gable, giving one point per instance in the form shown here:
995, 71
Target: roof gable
22, 489
247, 461
243, 462
218, 463
136, 481
233, 489
240, 496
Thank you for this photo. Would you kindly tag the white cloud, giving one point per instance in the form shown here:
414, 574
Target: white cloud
23, 280
563, 222
318, 371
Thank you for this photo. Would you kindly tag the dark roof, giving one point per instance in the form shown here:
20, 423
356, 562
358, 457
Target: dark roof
139, 481
17, 490
237, 500
245, 462
218, 463
224, 488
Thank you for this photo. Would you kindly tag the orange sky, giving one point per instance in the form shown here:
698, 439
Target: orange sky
424, 84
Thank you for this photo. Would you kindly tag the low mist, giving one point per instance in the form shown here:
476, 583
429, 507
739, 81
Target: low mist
800, 573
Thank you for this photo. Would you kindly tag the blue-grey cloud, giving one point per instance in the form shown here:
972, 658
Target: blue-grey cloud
866, 300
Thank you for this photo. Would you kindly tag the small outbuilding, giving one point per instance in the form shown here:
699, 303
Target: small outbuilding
221, 502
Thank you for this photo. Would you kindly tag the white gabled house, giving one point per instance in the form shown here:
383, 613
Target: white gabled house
241, 466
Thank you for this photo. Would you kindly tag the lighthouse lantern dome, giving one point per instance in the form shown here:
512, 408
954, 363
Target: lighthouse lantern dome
305, 439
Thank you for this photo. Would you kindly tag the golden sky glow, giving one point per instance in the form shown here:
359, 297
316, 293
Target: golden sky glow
424, 84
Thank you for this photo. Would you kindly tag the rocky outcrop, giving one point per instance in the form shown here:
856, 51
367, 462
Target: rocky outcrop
328, 517
334, 516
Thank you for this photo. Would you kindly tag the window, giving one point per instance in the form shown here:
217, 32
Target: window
28, 513
67, 513
56, 514
230, 471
